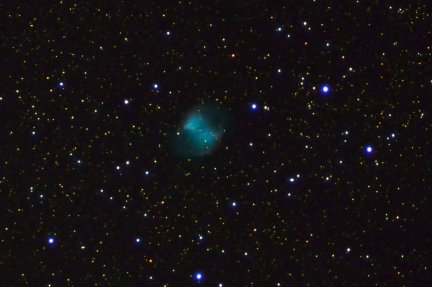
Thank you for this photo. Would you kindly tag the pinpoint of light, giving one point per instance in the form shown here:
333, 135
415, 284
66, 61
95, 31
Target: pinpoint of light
325, 89
234, 204
369, 149
147, 172
51, 241
168, 33
138, 240
199, 276
126, 101
61, 84
254, 106
155, 86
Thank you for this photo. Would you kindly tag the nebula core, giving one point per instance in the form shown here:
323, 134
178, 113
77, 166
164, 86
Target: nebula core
200, 132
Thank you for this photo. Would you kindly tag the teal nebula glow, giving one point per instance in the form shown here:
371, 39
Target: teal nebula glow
200, 133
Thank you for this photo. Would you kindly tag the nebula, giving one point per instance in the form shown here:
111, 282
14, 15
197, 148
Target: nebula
200, 132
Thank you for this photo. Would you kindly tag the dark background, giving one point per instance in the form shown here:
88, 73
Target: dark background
349, 219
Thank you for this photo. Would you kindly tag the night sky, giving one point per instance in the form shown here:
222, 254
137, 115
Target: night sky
215, 143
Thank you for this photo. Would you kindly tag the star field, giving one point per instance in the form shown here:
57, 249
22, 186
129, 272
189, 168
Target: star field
254, 143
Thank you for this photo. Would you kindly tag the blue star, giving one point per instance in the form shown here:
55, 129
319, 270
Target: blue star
199, 276
369, 149
325, 89
254, 106
155, 86
138, 240
51, 241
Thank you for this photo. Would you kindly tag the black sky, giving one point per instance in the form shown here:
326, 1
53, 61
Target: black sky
93, 97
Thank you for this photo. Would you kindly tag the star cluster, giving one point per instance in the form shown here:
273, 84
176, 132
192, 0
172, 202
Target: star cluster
197, 143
